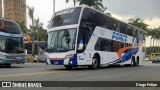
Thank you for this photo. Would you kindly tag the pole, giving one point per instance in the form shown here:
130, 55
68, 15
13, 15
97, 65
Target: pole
53, 7
2, 8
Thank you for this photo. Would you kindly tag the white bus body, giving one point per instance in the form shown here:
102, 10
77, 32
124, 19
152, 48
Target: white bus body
95, 44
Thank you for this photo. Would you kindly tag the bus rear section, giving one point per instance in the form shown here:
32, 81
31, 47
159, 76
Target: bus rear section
92, 39
11, 43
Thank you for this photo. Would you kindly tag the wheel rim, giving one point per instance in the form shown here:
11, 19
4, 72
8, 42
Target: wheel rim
94, 63
132, 63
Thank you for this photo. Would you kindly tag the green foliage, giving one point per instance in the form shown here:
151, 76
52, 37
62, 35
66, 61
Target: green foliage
36, 30
74, 1
23, 26
154, 33
97, 4
139, 23
42, 35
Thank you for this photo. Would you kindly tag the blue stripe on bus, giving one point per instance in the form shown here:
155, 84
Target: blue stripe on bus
61, 62
127, 56
74, 61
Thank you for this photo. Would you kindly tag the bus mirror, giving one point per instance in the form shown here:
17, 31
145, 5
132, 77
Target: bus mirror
81, 44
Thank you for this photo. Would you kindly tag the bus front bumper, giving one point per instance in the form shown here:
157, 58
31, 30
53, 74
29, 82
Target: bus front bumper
10, 61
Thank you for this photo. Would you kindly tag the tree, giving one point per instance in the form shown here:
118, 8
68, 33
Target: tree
31, 15
155, 36
97, 4
74, 1
41, 33
38, 28
138, 23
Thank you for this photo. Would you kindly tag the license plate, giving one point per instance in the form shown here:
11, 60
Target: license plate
55, 62
14, 61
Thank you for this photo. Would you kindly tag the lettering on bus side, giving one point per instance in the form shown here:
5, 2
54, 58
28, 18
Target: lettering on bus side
119, 37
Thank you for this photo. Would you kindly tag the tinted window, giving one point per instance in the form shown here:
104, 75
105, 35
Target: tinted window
123, 28
103, 44
87, 20
129, 30
66, 17
9, 27
91, 18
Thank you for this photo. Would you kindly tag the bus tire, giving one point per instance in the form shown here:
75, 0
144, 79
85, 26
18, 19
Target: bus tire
68, 67
133, 63
137, 61
7, 65
94, 63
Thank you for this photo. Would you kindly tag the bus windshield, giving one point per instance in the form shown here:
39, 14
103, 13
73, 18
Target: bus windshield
11, 44
61, 40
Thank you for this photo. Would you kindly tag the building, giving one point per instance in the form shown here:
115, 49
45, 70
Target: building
15, 10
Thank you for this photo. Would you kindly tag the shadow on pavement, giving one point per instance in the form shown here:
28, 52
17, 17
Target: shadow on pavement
82, 68
2, 66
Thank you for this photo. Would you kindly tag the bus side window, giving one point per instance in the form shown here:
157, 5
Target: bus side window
129, 30
97, 45
116, 46
123, 28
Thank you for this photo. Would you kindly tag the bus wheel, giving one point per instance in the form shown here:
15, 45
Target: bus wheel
133, 63
68, 67
7, 65
94, 63
137, 61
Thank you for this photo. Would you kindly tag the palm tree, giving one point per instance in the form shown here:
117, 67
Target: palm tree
97, 4
155, 36
31, 15
158, 38
138, 23
150, 33
74, 1
37, 26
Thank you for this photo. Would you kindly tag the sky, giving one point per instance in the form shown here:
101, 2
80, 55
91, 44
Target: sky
147, 10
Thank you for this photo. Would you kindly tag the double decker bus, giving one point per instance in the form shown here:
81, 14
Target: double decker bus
83, 36
11, 43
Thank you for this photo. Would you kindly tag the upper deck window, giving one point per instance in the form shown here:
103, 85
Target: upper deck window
66, 17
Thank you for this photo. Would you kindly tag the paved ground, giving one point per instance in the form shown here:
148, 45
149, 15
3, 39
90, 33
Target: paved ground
41, 72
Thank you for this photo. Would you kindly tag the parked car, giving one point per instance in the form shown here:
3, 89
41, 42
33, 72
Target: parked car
146, 59
157, 59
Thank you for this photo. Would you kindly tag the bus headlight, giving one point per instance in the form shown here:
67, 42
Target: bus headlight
2, 56
46, 56
70, 56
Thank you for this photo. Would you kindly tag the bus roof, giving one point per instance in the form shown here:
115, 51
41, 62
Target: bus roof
4, 19
85, 6
9, 26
